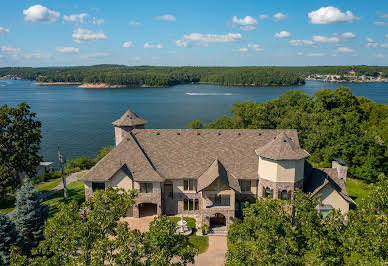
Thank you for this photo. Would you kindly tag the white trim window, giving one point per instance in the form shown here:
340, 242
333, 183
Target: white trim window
189, 185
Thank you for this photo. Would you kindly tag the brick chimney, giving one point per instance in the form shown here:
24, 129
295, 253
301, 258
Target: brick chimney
341, 167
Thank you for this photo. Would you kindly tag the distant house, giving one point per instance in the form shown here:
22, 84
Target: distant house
210, 174
42, 168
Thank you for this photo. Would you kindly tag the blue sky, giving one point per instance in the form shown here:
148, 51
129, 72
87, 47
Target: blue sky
201, 33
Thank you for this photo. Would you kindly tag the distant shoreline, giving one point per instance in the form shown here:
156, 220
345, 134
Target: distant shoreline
56, 83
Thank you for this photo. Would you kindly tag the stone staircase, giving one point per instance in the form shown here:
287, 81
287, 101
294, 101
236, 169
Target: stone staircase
218, 231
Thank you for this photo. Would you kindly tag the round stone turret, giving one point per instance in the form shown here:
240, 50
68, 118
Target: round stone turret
126, 123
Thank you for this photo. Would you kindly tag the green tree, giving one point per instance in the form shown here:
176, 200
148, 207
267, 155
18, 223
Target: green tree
102, 153
20, 143
9, 237
196, 124
30, 215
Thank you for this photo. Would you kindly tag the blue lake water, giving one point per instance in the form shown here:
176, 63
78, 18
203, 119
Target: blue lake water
79, 120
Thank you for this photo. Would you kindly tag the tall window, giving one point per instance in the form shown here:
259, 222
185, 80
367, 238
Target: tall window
245, 185
221, 200
189, 185
267, 192
98, 186
284, 195
145, 187
191, 205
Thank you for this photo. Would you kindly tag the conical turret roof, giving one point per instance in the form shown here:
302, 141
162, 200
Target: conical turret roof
282, 148
129, 119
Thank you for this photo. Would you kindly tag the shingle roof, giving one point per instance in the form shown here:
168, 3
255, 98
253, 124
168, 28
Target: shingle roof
318, 178
282, 147
217, 170
129, 119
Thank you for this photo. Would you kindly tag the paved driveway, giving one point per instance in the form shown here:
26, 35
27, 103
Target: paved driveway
142, 224
215, 255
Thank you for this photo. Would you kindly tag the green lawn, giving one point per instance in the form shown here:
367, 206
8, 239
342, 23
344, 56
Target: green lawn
76, 192
200, 242
44, 187
357, 189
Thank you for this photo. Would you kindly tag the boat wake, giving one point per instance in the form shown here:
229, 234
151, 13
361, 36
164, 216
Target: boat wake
208, 94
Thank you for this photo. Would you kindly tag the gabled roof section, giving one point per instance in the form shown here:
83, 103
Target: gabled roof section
126, 156
321, 177
217, 170
129, 119
282, 148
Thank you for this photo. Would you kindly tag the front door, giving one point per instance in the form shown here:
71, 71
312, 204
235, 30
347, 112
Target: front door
218, 219
168, 191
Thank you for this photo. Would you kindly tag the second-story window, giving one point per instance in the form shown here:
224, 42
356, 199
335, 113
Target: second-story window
98, 186
245, 185
189, 185
145, 187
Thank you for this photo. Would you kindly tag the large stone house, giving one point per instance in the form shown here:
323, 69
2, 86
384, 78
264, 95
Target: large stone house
210, 174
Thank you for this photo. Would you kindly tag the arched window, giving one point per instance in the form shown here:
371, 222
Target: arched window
267, 192
284, 195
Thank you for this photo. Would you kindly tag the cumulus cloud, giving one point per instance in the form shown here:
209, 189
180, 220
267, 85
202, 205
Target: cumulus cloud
94, 55
166, 17
325, 39
205, 39
380, 55
263, 16
128, 44
98, 21
315, 54
386, 36
134, 23
384, 45
380, 23
299, 53
37, 55
280, 16
255, 47
67, 50
371, 43
76, 18
4, 30
331, 15
344, 50
348, 35
80, 35
248, 20
248, 28
150, 45
300, 42
283, 34
244, 49
40, 13
9, 50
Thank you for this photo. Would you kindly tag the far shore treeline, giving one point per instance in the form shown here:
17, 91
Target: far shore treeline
163, 76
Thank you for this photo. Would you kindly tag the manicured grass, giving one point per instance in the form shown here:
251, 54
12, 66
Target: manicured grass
76, 192
357, 189
44, 187
200, 242
80, 175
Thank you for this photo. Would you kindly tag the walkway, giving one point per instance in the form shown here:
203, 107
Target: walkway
215, 254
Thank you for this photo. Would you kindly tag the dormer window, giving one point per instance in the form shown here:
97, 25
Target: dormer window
189, 185
245, 185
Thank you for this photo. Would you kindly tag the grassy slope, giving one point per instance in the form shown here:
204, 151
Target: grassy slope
357, 189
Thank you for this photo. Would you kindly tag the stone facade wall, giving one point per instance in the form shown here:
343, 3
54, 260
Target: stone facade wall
341, 169
278, 187
120, 132
88, 189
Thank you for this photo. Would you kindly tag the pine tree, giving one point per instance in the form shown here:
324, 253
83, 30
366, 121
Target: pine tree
30, 215
9, 237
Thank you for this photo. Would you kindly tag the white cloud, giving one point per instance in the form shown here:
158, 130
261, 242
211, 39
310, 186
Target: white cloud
384, 15
386, 36
67, 50
128, 44
280, 16
37, 55
40, 14
248, 20
256, 47
10, 50
150, 45
380, 55
134, 23
242, 50
166, 17
4, 30
263, 16
380, 23
283, 34
315, 54
348, 35
384, 45
77, 18
371, 43
300, 42
248, 28
98, 21
299, 53
94, 55
344, 50
205, 39
80, 35
325, 39
331, 15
